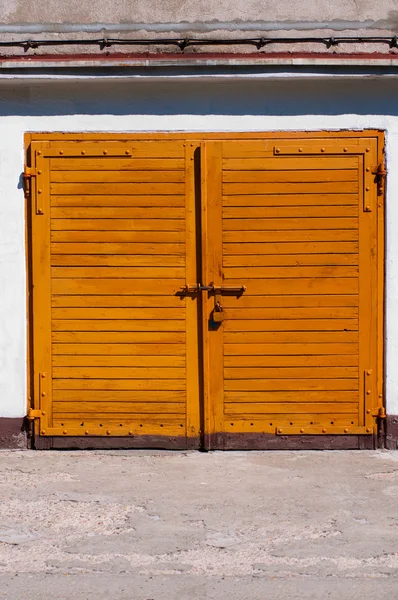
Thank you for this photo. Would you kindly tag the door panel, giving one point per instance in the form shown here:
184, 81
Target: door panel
293, 353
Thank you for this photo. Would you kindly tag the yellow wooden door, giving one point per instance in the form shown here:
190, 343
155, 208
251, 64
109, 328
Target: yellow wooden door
295, 223
279, 332
115, 345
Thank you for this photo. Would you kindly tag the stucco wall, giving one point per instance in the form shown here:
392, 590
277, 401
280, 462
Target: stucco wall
177, 106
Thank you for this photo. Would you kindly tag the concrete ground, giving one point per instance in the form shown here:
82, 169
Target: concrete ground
165, 526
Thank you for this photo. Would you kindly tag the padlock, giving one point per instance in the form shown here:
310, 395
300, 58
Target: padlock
218, 313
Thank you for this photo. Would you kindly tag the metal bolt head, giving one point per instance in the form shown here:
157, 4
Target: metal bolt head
130, 433
108, 432
368, 411
368, 430
105, 152
39, 153
61, 151
83, 152
367, 149
277, 150
368, 392
40, 211
369, 372
43, 375
43, 431
39, 172
64, 432
279, 430
323, 430
39, 191
43, 394
300, 149
346, 430
323, 149
86, 432
301, 430
345, 149
367, 169
43, 412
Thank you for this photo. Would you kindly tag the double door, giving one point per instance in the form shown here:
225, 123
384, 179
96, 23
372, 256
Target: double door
193, 291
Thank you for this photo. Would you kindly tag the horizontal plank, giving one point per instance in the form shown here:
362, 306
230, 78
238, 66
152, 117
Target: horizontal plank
299, 235
290, 223
78, 401
133, 325
105, 360
139, 189
118, 164
288, 260
288, 362
119, 337
290, 301
236, 408
106, 301
261, 148
118, 349
249, 272
140, 237
309, 337
296, 373
131, 385
143, 424
290, 324
125, 176
292, 163
280, 248
110, 201
285, 349
237, 189
143, 313
294, 313
141, 249
259, 287
145, 213
141, 273
289, 401
282, 212
130, 287
288, 176
157, 148
107, 372
297, 199
114, 224
118, 260
286, 385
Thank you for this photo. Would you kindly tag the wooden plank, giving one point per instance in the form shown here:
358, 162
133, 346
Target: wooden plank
291, 409
259, 287
120, 384
117, 225
119, 260
117, 349
246, 272
110, 201
306, 235
298, 175
120, 164
285, 349
106, 301
282, 373
78, 401
118, 325
290, 325
126, 272
155, 373
283, 199
140, 237
275, 248
99, 212
132, 287
119, 313
235, 189
286, 362
119, 337
285, 384
293, 163
67, 360
289, 223
290, 301
118, 177
118, 248
246, 314
279, 212
262, 148
285, 401
288, 260
305, 337
125, 189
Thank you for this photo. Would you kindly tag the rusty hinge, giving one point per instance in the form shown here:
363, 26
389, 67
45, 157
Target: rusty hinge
29, 172
381, 173
34, 414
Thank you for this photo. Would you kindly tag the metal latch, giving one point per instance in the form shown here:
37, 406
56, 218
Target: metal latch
381, 174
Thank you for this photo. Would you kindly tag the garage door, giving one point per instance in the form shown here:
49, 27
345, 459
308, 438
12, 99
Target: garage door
214, 292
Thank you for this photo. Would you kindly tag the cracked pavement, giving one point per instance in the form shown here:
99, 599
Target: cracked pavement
152, 525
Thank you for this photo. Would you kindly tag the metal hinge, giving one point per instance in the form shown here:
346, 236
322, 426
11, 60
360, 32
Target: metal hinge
34, 414
381, 173
29, 172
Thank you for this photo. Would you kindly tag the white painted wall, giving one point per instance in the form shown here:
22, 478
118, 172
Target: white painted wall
183, 106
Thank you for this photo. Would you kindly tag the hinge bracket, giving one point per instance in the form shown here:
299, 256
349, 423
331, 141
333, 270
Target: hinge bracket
34, 414
381, 173
29, 172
